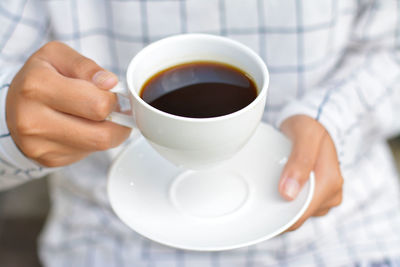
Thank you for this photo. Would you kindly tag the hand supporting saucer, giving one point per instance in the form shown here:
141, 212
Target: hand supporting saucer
233, 205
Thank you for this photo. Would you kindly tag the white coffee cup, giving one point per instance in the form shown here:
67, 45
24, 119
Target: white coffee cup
193, 143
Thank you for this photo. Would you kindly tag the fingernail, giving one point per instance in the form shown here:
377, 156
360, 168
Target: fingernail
291, 188
104, 79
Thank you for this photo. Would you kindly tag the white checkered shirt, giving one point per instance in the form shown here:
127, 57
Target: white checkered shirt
334, 60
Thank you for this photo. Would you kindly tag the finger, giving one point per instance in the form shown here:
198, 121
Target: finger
305, 148
75, 97
92, 136
70, 63
57, 160
328, 175
79, 133
328, 183
49, 153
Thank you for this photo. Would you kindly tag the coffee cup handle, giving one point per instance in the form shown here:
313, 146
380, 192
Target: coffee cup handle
117, 117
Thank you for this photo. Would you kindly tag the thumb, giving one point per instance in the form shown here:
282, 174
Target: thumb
306, 135
71, 64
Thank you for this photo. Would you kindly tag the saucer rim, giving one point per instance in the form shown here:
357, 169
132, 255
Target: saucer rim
140, 138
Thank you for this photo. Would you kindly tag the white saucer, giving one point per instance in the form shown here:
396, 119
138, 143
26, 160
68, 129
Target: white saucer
234, 205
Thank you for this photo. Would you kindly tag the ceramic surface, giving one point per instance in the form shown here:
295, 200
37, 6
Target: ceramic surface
230, 206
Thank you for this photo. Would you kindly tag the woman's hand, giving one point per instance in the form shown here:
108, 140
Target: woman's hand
57, 105
313, 150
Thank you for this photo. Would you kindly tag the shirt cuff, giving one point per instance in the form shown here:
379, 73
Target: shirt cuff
311, 109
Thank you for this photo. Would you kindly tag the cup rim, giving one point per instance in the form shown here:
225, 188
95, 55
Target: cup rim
250, 52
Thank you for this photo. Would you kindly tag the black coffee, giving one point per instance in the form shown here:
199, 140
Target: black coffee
199, 90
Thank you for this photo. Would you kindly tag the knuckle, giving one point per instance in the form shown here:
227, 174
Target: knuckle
103, 107
49, 47
29, 149
24, 127
29, 85
32, 83
50, 161
29, 153
32, 59
83, 65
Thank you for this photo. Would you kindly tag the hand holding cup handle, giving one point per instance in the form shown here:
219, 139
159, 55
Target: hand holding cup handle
56, 105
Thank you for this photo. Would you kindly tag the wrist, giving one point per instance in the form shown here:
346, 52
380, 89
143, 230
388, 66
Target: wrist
303, 124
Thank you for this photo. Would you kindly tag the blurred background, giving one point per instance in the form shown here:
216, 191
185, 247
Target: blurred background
23, 212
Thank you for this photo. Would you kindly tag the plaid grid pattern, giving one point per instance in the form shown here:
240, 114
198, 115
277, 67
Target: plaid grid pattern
334, 60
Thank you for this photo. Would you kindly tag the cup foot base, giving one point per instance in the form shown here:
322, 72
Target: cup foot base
209, 194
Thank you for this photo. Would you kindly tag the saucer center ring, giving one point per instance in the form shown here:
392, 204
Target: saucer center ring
209, 194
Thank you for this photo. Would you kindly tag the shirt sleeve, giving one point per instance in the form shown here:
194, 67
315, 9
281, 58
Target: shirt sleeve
24, 28
360, 102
